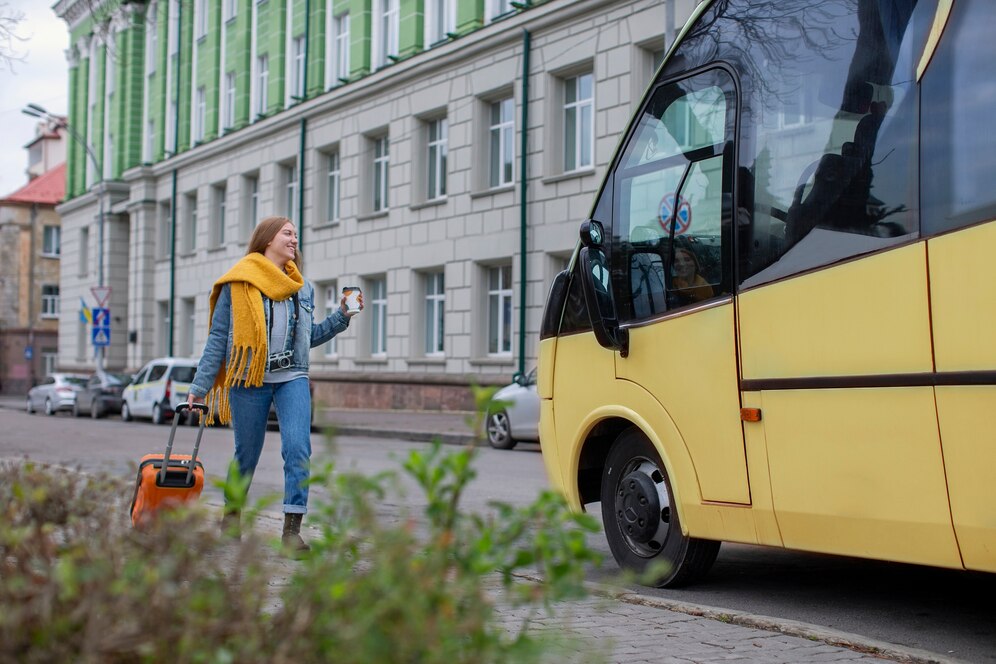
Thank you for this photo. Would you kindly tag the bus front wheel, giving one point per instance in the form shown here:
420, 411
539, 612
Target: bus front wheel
641, 519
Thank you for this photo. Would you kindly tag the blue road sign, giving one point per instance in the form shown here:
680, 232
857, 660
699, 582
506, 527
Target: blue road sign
101, 335
101, 317
29, 352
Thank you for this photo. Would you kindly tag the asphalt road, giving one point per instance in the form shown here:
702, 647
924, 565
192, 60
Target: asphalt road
942, 611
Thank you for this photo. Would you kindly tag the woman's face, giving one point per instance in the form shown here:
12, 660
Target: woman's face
283, 246
684, 264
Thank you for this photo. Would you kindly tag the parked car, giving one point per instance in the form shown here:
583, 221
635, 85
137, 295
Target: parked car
157, 388
55, 392
513, 414
101, 395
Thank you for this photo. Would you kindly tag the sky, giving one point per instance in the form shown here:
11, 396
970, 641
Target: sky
40, 77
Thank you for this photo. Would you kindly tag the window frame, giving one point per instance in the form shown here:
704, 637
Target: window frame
500, 329
53, 237
434, 313
504, 131
437, 149
49, 301
579, 138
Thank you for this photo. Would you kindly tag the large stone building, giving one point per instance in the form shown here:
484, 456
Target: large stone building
30, 254
437, 153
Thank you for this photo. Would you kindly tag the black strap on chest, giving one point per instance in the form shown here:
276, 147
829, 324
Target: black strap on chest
297, 311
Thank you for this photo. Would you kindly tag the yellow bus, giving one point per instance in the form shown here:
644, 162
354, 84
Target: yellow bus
779, 324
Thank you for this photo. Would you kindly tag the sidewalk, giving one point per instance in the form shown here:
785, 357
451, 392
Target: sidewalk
621, 625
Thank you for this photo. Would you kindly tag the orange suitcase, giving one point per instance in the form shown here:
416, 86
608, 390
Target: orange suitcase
166, 480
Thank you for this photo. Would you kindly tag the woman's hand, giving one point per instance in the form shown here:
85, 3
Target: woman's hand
191, 399
345, 309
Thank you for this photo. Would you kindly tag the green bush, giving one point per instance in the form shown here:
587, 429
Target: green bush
77, 583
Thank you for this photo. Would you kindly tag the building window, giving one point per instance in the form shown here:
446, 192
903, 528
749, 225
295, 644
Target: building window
190, 225
501, 133
440, 19
377, 288
496, 8
108, 154
251, 208
49, 301
262, 83
381, 162
331, 304
51, 241
164, 223
189, 326
163, 325
84, 252
436, 180
386, 32
229, 113
150, 141
332, 191
220, 193
500, 310
229, 9
200, 19
338, 56
49, 359
151, 42
200, 114
297, 73
174, 27
171, 128
579, 136
435, 299
290, 190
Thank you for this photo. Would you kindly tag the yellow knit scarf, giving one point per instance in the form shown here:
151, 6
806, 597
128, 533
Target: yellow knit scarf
246, 364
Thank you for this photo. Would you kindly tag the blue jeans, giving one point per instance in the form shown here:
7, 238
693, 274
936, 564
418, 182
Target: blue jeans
250, 408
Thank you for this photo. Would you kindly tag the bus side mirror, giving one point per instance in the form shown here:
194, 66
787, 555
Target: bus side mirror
596, 283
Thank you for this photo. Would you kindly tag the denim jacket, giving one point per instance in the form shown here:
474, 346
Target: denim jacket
309, 334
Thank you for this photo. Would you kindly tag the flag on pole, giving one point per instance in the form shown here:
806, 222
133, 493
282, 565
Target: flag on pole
86, 315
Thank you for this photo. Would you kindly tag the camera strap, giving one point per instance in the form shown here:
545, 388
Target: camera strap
293, 332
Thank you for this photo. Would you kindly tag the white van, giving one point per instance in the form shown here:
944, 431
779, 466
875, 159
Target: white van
157, 388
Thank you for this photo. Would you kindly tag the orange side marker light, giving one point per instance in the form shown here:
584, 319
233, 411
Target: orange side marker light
750, 414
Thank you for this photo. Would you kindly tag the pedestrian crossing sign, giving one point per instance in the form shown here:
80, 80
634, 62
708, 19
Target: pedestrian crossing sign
101, 336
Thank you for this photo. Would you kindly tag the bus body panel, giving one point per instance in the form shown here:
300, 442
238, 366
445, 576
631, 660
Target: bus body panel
963, 308
865, 317
689, 364
854, 469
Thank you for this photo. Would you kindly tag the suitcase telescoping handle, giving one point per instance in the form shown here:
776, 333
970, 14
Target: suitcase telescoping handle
172, 433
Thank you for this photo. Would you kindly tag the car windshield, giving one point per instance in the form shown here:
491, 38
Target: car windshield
183, 374
78, 381
118, 379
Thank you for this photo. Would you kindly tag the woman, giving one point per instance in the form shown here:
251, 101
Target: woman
257, 354
687, 281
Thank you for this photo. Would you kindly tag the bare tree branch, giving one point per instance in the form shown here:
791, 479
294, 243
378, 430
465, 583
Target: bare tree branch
10, 19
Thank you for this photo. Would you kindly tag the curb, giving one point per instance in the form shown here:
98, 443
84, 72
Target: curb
416, 436
785, 626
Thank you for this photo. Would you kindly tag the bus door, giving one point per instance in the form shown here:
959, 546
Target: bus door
670, 235
834, 324
959, 208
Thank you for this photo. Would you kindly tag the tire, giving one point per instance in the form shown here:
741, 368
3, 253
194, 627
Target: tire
48, 407
95, 410
499, 431
641, 519
28, 408
157, 414
125, 412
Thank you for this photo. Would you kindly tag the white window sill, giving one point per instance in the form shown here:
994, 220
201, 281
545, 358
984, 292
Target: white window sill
493, 191
370, 360
432, 360
492, 361
324, 225
55, 256
560, 177
373, 215
426, 204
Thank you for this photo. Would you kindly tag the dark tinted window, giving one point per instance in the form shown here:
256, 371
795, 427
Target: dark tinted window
672, 195
156, 372
78, 381
118, 379
183, 374
827, 161
959, 100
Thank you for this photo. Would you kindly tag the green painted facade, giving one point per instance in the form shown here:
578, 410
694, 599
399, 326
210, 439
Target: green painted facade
142, 97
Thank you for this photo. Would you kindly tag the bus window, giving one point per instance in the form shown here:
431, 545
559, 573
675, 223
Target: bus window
959, 93
667, 226
829, 133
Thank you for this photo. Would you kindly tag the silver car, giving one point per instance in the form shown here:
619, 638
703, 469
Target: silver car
514, 413
55, 392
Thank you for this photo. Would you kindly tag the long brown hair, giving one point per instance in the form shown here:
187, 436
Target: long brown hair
264, 233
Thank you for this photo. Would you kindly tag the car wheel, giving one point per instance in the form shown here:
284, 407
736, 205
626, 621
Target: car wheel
28, 407
157, 414
125, 412
95, 410
76, 409
48, 407
641, 519
499, 431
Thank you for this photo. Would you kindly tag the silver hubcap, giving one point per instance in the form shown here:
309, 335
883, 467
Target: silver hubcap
498, 428
643, 507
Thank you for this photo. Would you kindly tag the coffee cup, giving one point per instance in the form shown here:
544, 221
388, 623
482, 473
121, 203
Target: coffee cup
352, 294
